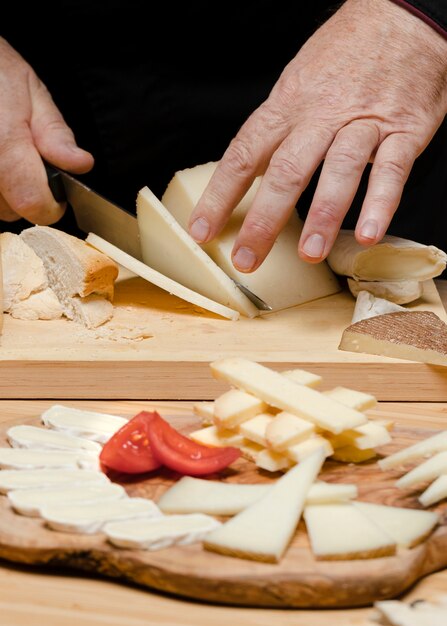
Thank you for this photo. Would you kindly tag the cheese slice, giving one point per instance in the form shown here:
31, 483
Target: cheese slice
154, 277
169, 249
300, 451
282, 393
33, 437
350, 454
413, 335
397, 613
286, 430
21, 458
29, 479
235, 406
351, 397
31, 501
407, 527
264, 530
303, 377
272, 461
161, 532
367, 306
301, 282
424, 448
250, 450
205, 410
426, 471
218, 437
197, 495
400, 292
91, 517
255, 428
86, 424
435, 492
370, 435
342, 532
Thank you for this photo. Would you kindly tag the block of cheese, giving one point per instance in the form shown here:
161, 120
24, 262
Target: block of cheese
272, 461
303, 377
277, 390
407, 527
31, 479
342, 532
425, 472
218, 437
370, 435
413, 335
255, 428
425, 448
367, 306
302, 282
286, 430
21, 458
435, 492
79, 423
169, 249
36, 438
250, 450
300, 451
205, 410
399, 292
236, 406
350, 397
160, 280
350, 454
264, 530
394, 258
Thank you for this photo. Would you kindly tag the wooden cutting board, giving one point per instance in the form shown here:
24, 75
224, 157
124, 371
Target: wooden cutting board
298, 581
160, 347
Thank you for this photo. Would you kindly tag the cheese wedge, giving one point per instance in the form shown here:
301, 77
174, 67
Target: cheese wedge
426, 471
426, 447
160, 532
197, 495
350, 454
301, 282
413, 335
20, 458
169, 249
370, 435
282, 393
367, 306
255, 428
303, 377
218, 437
399, 292
351, 397
435, 492
236, 406
397, 613
86, 424
31, 501
264, 530
154, 277
31, 479
286, 430
300, 451
33, 437
342, 532
272, 461
407, 527
91, 517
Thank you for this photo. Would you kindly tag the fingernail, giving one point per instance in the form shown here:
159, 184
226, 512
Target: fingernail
200, 229
369, 229
314, 246
244, 259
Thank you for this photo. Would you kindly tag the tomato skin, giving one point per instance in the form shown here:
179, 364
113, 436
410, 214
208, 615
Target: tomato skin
129, 449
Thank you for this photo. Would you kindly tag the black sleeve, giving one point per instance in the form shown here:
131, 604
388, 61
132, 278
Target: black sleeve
433, 12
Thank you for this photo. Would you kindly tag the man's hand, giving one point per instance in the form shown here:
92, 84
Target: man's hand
31, 128
369, 85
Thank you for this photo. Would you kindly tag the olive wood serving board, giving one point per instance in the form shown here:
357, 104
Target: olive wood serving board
298, 581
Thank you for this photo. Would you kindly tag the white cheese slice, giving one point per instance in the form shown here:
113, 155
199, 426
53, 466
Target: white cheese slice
367, 306
301, 282
235, 406
250, 450
400, 292
282, 393
370, 435
342, 531
154, 277
300, 451
170, 250
28, 479
21, 458
31, 501
218, 437
303, 377
397, 613
264, 530
407, 527
286, 430
91, 517
33, 437
351, 397
435, 492
272, 461
425, 472
161, 532
86, 424
424, 448
205, 410
322, 492
255, 428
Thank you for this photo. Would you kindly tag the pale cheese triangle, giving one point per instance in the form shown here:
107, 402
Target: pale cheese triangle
169, 249
263, 531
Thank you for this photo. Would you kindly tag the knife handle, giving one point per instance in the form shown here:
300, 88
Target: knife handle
55, 183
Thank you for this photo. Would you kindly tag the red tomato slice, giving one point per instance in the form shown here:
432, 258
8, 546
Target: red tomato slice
185, 456
129, 449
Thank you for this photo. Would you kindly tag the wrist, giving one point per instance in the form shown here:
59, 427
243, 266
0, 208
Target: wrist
427, 13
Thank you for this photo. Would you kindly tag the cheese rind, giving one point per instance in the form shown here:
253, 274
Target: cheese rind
400, 292
42, 478
33, 437
86, 424
367, 306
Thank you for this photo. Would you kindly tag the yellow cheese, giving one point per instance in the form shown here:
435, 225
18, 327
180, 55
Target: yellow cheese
236, 406
302, 450
303, 377
218, 437
370, 435
204, 410
350, 397
286, 430
349, 454
250, 450
255, 428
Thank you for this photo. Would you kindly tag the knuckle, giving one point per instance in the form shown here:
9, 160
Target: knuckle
326, 212
285, 174
261, 229
344, 159
239, 159
391, 169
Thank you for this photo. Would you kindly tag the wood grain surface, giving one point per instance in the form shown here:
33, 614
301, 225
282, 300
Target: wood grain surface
298, 581
61, 359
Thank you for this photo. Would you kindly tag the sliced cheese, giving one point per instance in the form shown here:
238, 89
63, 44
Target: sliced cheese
33, 437
435, 492
367, 306
351, 397
397, 613
413, 335
264, 530
272, 461
300, 451
250, 450
424, 448
235, 406
342, 531
282, 393
86, 424
407, 527
399, 292
255, 428
31, 501
394, 258
286, 430
426, 471
350, 454
92, 516
169, 249
303, 377
21, 458
370, 435
204, 410
154, 277
218, 437
301, 282
29, 479
322, 492
161, 532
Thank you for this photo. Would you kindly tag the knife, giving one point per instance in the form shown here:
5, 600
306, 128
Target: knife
95, 214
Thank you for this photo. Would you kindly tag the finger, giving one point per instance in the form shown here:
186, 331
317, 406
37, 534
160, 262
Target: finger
389, 173
53, 138
340, 177
288, 174
246, 157
6, 213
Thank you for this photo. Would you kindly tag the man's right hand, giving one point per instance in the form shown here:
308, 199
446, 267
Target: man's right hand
31, 129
